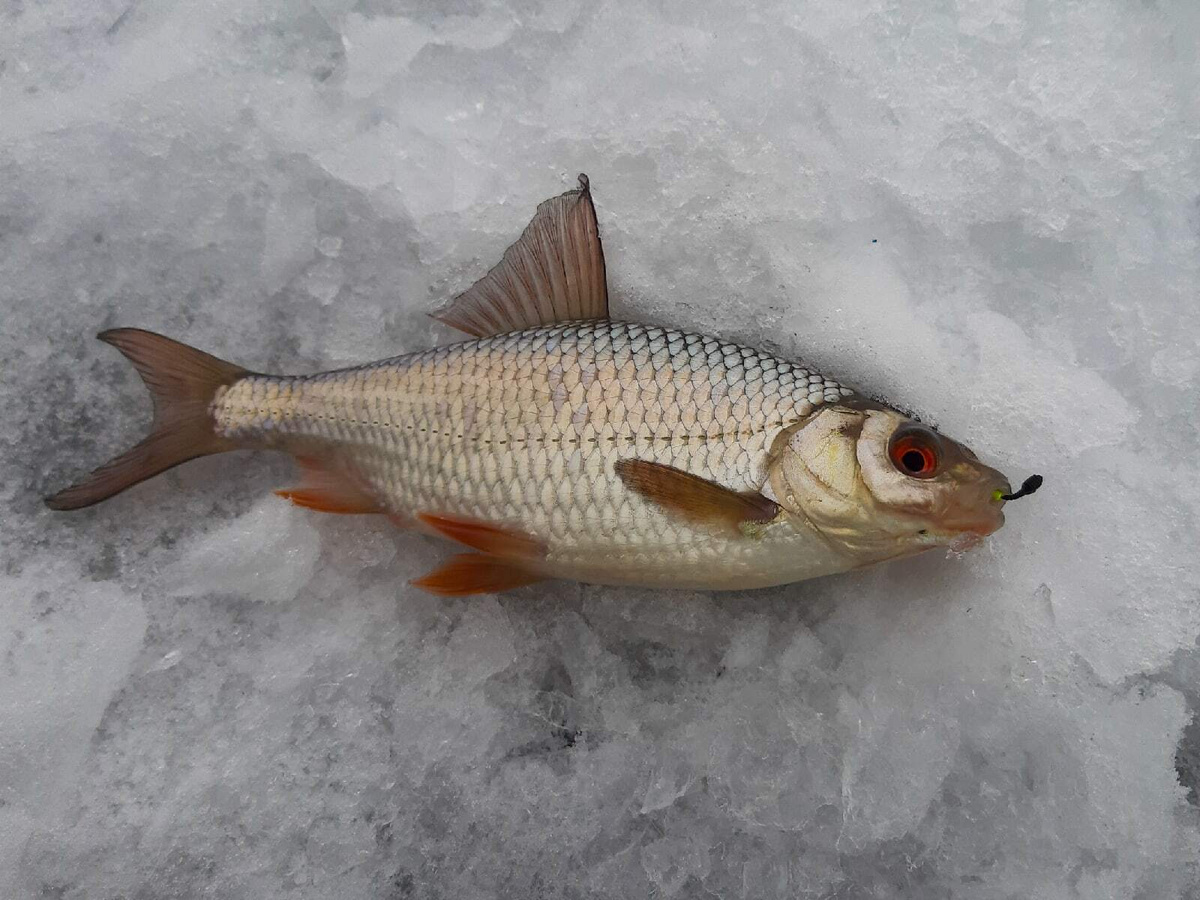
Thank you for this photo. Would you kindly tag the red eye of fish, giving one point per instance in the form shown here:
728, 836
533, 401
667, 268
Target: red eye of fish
915, 453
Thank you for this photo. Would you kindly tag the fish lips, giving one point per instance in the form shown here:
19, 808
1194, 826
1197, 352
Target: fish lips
967, 522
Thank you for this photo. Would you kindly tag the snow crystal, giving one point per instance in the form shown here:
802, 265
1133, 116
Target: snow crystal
983, 212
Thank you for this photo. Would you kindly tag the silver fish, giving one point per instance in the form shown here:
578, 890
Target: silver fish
561, 444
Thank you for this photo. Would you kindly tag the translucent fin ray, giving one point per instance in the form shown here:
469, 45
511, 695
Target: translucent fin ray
553, 273
183, 383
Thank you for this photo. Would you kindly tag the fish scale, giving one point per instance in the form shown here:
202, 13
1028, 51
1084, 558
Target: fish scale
482, 429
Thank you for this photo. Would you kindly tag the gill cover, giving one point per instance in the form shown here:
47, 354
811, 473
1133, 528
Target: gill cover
815, 474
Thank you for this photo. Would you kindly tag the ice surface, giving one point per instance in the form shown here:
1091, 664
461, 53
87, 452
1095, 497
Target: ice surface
984, 211
269, 552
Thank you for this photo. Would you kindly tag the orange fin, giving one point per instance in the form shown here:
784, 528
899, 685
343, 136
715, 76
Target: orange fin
553, 273
327, 490
493, 540
183, 383
694, 498
475, 573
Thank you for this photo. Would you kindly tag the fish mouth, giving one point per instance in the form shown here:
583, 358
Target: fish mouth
967, 526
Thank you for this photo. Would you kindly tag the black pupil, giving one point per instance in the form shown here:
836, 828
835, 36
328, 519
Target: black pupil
913, 460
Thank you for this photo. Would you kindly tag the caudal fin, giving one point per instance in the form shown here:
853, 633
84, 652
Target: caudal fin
183, 382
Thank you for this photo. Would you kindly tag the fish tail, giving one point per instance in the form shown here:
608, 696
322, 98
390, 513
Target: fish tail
184, 383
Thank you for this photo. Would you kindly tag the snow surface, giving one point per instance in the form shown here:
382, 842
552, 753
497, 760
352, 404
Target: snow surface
983, 211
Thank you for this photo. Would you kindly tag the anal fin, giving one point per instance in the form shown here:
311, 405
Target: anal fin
326, 489
475, 573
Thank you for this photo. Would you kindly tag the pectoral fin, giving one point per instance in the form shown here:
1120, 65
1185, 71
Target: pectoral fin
694, 498
554, 273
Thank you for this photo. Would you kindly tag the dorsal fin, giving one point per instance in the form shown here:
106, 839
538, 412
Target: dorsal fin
554, 273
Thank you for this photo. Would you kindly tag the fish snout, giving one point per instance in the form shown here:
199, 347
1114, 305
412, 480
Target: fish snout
977, 510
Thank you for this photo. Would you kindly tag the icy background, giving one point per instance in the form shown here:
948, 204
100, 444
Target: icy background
986, 212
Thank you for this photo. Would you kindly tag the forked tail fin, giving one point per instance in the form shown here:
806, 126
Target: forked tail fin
183, 382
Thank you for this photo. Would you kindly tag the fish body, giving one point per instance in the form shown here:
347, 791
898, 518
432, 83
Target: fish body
527, 428
561, 444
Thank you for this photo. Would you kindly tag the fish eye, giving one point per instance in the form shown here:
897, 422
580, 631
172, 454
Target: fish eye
915, 452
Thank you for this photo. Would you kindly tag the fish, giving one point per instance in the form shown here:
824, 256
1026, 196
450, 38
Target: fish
558, 443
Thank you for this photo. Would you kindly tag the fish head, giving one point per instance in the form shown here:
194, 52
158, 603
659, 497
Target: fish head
878, 485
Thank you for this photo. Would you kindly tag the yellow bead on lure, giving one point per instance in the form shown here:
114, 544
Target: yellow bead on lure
561, 444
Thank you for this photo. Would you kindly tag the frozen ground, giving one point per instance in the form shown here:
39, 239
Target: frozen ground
984, 211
